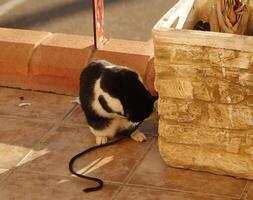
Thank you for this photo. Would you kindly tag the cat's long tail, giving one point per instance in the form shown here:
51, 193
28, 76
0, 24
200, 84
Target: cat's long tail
124, 135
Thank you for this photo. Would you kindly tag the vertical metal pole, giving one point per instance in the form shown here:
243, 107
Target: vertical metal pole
98, 22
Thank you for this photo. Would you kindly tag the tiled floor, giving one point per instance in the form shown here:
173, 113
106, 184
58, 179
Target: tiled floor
37, 141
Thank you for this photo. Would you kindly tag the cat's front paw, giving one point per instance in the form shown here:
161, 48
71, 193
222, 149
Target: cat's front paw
138, 136
101, 140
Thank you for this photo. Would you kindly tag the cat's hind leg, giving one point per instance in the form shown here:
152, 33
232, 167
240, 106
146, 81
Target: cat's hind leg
101, 140
102, 135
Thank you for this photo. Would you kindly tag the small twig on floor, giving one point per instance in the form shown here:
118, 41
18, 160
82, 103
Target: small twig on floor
24, 104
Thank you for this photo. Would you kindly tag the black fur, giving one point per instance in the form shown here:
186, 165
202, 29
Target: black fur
87, 82
104, 104
120, 83
124, 84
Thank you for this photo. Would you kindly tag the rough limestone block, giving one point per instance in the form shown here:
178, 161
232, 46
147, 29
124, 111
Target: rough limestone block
205, 86
175, 88
202, 92
230, 117
222, 139
179, 110
231, 93
230, 59
246, 79
250, 101
206, 159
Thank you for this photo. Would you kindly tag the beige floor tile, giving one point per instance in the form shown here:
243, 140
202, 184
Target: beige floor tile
133, 193
29, 186
56, 150
17, 138
153, 172
43, 105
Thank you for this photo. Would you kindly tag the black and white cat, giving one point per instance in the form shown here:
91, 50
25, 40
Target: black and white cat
113, 99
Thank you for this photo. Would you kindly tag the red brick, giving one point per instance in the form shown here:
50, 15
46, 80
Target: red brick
134, 54
53, 62
16, 50
58, 61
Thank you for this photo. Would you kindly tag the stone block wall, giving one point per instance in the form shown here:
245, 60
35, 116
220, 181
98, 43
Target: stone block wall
205, 106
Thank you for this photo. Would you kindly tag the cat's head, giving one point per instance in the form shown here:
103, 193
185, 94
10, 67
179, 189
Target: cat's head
141, 110
126, 85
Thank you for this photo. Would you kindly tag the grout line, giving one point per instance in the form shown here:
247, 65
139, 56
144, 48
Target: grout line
35, 47
121, 185
74, 178
55, 125
7, 176
68, 113
94, 50
50, 121
131, 173
36, 144
180, 191
117, 192
49, 131
36, 91
45, 120
245, 191
52, 128
129, 176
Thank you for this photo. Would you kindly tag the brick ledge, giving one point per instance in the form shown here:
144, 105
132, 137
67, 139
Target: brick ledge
52, 62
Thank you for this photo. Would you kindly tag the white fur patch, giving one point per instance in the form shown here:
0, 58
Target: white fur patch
113, 103
109, 66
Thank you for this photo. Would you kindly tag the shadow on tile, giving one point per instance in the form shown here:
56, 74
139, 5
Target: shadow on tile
154, 172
